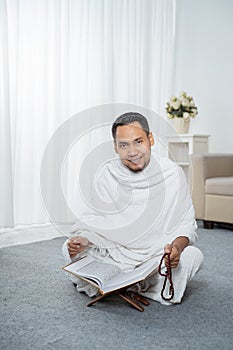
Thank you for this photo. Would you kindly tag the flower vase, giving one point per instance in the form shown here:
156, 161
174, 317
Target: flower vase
181, 125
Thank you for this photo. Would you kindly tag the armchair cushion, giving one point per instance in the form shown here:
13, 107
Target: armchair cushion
222, 186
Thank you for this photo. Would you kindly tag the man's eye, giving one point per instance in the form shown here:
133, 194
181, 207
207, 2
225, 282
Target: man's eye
139, 142
122, 145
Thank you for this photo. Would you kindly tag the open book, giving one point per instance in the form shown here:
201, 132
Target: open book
108, 277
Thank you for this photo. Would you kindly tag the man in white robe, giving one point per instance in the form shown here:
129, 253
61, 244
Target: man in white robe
144, 211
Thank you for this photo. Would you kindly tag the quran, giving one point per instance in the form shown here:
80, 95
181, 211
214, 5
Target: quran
108, 277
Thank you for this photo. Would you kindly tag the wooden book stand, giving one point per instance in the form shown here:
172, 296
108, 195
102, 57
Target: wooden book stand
132, 298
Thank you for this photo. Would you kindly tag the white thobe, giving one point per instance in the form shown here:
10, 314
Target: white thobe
142, 212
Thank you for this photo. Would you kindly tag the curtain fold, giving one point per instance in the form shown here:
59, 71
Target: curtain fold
61, 57
6, 184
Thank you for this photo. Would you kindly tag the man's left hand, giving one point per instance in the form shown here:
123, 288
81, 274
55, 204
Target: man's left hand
174, 255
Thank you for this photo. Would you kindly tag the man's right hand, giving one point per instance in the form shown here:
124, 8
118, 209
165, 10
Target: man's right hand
77, 245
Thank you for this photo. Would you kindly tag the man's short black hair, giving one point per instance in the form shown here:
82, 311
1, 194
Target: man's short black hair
129, 118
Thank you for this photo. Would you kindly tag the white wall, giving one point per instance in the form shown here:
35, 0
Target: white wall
204, 66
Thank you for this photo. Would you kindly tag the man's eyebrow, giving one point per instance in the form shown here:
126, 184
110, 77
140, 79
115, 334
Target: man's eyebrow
127, 141
139, 138
122, 140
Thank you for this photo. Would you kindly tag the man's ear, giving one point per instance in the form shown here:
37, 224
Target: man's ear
115, 146
151, 139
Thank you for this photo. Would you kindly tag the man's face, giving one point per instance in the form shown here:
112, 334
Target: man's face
133, 146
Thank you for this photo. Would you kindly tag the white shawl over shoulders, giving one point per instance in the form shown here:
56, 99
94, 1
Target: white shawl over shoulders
133, 215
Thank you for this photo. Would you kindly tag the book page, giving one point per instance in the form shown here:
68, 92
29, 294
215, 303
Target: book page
99, 272
127, 278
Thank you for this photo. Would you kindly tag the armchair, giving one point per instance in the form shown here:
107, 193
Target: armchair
212, 187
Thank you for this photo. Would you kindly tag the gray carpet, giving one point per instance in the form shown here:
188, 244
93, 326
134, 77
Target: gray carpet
40, 309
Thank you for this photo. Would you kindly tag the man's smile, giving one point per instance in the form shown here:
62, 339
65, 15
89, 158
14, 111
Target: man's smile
136, 160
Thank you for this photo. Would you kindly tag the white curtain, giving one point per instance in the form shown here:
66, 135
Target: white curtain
60, 57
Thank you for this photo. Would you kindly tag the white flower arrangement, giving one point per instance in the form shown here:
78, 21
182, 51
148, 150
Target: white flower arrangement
181, 107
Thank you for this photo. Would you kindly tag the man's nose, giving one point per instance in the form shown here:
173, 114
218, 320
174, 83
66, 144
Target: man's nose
132, 150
